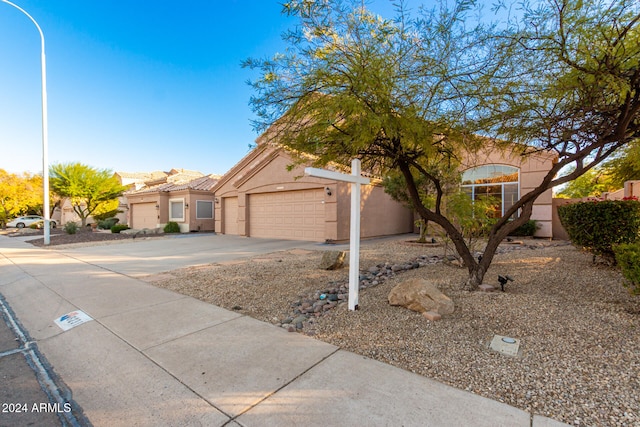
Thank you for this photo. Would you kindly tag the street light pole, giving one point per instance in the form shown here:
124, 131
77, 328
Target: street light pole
45, 132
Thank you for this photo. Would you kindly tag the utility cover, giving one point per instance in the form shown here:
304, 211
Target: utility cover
505, 345
71, 320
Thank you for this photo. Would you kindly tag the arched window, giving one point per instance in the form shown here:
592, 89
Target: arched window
500, 182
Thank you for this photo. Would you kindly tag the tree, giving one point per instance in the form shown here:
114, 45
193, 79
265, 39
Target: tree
89, 190
19, 195
610, 176
408, 93
592, 183
624, 167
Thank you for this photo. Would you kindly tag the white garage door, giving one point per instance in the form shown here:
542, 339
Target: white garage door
230, 215
296, 215
144, 215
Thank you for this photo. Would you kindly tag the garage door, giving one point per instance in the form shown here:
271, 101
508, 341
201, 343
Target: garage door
144, 215
297, 215
230, 215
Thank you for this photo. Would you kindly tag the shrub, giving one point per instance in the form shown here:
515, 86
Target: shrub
628, 258
599, 225
172, 227
106, 224
117, 228
527, 229
71, 227
105, 215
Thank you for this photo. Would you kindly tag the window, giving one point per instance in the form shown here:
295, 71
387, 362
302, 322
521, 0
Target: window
176, 210
500, 182
204, 209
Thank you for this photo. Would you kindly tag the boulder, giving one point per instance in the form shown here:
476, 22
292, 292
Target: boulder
332, 260
421, 296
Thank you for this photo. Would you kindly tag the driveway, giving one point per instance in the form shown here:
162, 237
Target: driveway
140, 258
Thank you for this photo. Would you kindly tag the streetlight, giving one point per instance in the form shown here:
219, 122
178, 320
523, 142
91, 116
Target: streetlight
45, 134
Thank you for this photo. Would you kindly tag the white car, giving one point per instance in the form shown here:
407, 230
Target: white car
26, 221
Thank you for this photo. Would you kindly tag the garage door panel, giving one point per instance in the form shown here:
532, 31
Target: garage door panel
297, 215
230, 215
144, 215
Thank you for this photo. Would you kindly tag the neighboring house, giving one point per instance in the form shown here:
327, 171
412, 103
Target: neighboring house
181, 196
259, 197
65, 212
135, 181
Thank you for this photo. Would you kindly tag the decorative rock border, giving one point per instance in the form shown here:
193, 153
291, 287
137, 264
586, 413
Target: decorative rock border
306, 310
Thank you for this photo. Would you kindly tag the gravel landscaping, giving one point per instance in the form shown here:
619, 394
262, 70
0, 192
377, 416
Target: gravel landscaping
59, 238
577, 325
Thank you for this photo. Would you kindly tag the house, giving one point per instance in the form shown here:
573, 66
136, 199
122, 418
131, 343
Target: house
260, 197
65, 213
182, 196
506, 176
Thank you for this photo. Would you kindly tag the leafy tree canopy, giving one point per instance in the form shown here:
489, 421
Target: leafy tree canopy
592, 183
19, 195
89, 190
626, 166
413, 95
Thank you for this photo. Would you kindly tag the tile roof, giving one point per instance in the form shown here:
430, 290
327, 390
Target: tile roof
145, 176
202, 183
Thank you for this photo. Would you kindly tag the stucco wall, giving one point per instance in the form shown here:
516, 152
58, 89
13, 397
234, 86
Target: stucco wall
267, 172
558, 230
380, 215
190, 222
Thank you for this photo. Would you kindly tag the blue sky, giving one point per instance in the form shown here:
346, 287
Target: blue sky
134, 85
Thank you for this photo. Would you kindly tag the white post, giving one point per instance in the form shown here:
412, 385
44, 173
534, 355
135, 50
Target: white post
354, 237
45, 132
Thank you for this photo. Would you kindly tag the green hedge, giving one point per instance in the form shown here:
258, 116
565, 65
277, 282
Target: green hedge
599, 225
628, 258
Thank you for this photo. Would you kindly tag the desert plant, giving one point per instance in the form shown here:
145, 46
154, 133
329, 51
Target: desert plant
599, 225
117, 228
628, 258
106, 224
473, 218
71, 228
172, 227
106, 215
527, 229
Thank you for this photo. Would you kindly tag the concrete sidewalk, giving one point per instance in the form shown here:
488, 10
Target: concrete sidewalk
152, 357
